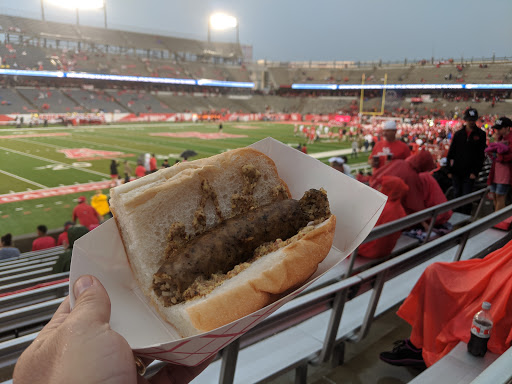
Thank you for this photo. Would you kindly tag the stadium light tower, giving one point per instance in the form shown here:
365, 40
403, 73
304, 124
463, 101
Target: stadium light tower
78, 5
221, 22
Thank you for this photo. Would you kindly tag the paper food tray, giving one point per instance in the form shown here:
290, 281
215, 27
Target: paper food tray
101, 253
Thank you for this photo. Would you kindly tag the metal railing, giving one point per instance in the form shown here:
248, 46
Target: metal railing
421, 216
335, 295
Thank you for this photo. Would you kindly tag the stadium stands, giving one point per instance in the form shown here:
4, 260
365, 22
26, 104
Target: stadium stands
50, 100
12, 102
139, 102
95, 101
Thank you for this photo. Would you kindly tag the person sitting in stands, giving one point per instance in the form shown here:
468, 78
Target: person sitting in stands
63, 237
441, 306
408, 170
42, 241
395, 189
63, 263
433, 195
8, 251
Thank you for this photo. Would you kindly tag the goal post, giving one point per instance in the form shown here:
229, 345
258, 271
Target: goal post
361, 100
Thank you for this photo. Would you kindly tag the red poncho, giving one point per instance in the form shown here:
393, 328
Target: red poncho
394, 188
441, 306
433, 195
408, 171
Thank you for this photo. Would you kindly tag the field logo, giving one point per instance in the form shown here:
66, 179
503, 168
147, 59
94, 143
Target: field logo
91, 154
198, 135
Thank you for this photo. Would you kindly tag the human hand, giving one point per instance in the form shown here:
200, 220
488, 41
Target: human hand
80, 347
472, 176
449, 175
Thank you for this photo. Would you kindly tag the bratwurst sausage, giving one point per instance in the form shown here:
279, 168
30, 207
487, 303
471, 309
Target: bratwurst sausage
234, 241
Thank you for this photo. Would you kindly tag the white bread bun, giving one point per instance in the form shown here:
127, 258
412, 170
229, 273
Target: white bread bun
146, 208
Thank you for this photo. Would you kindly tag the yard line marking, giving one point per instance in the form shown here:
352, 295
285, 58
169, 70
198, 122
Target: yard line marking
56, 162
58, 202
39, 205
23, 179
19, 209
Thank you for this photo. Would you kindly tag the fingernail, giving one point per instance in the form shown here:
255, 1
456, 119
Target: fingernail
81, 285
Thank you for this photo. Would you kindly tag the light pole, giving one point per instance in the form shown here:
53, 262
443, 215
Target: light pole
220, 22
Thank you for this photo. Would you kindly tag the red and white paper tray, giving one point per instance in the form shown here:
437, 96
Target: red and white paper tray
101, 253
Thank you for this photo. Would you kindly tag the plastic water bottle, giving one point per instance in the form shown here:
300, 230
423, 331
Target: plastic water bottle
480, 331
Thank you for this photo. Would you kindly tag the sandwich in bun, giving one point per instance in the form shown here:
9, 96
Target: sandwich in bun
213, 240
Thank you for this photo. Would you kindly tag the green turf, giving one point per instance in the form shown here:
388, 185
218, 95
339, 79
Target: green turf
37, 162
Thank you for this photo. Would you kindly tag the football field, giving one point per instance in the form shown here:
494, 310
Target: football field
64, 163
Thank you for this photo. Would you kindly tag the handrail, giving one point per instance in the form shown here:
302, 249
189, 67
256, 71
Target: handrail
426, 214
418, 217
334, 295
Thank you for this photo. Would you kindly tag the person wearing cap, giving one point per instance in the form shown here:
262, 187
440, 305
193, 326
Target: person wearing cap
388, 149
466, 156
85, 214
500, 175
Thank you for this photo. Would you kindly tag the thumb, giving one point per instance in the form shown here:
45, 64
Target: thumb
92, 302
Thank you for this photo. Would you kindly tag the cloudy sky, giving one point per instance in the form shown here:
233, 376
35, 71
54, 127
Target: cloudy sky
288, 30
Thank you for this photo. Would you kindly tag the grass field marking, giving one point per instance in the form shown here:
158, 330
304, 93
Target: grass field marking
55, 162
23, 179
105, 145
104, 126
154, 143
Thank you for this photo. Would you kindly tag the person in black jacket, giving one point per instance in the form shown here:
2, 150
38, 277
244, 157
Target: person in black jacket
466, 155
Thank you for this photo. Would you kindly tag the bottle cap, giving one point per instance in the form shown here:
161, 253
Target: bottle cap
486, 305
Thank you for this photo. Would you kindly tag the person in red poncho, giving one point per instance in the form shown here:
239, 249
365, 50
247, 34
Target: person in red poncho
441, 306
408, 170
394, 188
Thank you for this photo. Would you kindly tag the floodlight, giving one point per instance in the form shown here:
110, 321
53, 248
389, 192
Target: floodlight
78, 4
221, 21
